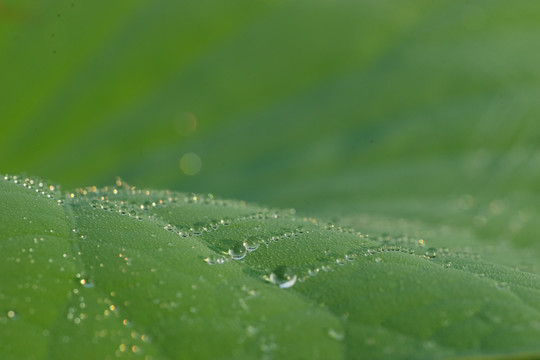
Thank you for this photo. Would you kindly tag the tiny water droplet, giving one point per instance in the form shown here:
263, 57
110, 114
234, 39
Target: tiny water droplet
283, 276
340, 261
12, 314
238, 251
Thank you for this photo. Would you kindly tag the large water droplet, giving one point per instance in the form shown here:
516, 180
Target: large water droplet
252, 243
283, 276
238, 251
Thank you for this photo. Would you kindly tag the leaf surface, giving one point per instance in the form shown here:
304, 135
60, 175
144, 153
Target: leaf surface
117, 271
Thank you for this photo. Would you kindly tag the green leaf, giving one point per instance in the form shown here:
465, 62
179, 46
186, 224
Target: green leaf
122, 272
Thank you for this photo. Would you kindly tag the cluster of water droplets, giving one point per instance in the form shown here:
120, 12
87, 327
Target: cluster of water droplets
41, 187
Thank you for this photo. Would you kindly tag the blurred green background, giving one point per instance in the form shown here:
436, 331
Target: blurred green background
423, 110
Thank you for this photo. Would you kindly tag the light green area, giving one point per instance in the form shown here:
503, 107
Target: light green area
403, 120
119, 272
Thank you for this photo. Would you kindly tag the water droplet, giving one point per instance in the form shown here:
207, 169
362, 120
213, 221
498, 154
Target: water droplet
213, 260
95, 204
283, 276
238, 251
337, 335
86, 283
252, 243
350, 256
340, 261
12, 314
169, 227
313, 272
251, 330
431, 253
106, 206
198, 228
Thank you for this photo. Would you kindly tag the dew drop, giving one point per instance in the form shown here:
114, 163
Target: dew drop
238, 251
350, 256
169, 227
431, 253
213, 260
337, 335
283, 276
313, 272
325, 268
86, 283
252, 243
198, 228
